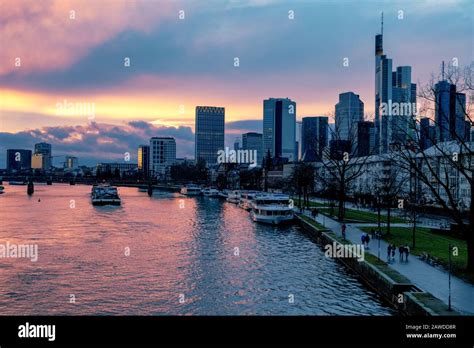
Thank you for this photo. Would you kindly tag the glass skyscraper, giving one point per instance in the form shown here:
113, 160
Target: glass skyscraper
314, 137
253, 141
450, 112
279, 122
209, 133
349, 111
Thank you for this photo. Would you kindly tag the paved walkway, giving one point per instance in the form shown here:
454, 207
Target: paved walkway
424, 276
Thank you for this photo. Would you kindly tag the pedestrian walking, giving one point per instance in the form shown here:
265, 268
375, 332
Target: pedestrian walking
407, 251
389, 252
401, 251
343, 230
372, 233
393, 251
367, 240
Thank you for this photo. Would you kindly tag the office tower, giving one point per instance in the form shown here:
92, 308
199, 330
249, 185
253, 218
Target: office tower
18, 160
395, 100
71, 162
349, 111
37, 161
450, 112
144, 160
396, 127
210, 125
45, 150
279, 123
314, 137
298, 140
365, 138
427, 133
253, 141
162, 155
237, 144
383, 85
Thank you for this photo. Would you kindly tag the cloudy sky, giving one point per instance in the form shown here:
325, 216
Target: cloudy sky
58, 55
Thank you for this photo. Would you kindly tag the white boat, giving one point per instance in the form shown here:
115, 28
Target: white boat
210, 192
271, 208
190, 190
104, 194
233, 196
2, 189
16, 182
224, 193
246, 198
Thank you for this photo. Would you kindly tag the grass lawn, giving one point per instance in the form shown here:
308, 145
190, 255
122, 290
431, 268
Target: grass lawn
362, 216
432, 244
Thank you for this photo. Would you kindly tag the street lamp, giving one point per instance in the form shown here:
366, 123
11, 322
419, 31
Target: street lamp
449, 277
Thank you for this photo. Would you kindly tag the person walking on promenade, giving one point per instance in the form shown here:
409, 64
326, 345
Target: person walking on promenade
393, 251
407, 251
367, 240
401, 251
389, 252
343, 230
372, 233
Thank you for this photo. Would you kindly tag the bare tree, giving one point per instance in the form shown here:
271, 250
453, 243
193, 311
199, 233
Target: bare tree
446, 166
340, 165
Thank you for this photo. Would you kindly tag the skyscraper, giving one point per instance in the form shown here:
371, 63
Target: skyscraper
210, 125
427, 133
365, 138
395, 100
383, 84
314, 137
279, 122
144, 159
45, 150
18, 160
450, 112
253, 141
162, 155
299, 140
349, 111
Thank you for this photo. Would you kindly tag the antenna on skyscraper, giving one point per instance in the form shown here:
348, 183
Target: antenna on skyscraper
442, 71
382, 24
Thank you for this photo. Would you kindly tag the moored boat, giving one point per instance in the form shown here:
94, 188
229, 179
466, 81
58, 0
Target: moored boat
224, 193
271, 208
233, 196
190, 190
246, 198
210, 192
17, 182
104, 194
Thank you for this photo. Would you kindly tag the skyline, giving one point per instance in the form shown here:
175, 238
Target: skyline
170, 65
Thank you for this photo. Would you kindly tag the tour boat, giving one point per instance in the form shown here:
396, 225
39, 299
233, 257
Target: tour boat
233, 196
246, 198
210, 192
104, 194
191, 190
271, 208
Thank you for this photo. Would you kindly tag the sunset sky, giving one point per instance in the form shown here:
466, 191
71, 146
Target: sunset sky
176, 64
